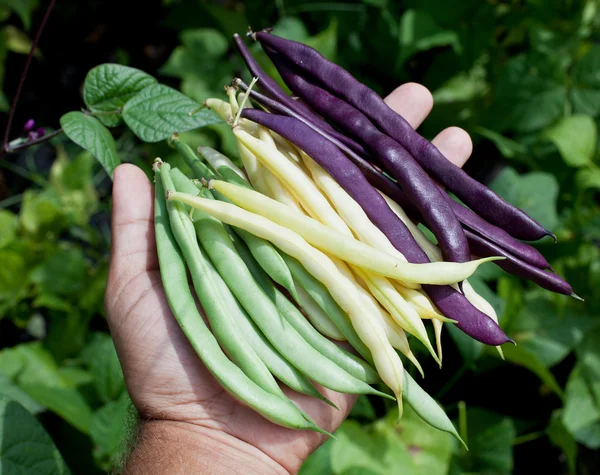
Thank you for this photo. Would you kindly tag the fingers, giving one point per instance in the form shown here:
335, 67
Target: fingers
412, 101
455, 144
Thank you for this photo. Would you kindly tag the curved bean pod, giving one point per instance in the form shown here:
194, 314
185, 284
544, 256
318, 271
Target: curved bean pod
421, 189
352, 364
319, 319
476, 195
175, 282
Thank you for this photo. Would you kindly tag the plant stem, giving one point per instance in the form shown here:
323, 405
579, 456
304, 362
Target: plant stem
13, 108
528, 438
22, 146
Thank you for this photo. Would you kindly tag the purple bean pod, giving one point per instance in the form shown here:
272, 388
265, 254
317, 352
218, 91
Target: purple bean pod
340, 82
449, 301
515, 266
419, 187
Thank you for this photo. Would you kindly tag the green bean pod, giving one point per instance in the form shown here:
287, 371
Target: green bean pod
199, 169
352, 364
275, 363
277, 330
426, 407
182, 304
204, 281
321, 295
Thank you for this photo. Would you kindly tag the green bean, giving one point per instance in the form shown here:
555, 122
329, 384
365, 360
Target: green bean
426, 407
261, 309
207, 290
199, 169
352, 364
276, 364
185, 311
231, 176
321, 295
319, 319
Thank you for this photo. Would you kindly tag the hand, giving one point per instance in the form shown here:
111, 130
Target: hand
192, 423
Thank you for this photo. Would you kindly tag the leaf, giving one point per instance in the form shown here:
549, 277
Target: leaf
13, 279
576, 138
9, 390
559, 436
325, 42
585, 93
63, 273
587, 179
529, 95
581, 416
535, 193
588, 356
419, 32
41, 212
159, 111
548, 333
17, 41
25, 447
429, 448
319, 462
363, 409
89, 133
372, 450
490, 440
101, 358
507, 147
23, 8
523, 357
108, 429
470, 349
9, 224
109, 86
38, 375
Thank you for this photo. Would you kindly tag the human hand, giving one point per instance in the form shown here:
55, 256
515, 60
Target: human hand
191, 423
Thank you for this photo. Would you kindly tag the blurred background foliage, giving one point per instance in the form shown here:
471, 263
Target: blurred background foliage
521, 76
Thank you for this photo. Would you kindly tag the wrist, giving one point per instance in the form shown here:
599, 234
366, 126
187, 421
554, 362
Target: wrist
171, 447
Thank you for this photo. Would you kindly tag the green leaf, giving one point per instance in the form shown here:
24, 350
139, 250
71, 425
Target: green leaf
41, 212
575, 137
109, 86
9, 224
419, 32
581, 415
470, 349
588, 179
159, 111
319, 462
25, 447
523, 357
529, 94
36, 372
490, 440
108, 429
559, 436
325, 42
23, 8
16, 41
549, 333
588, 355
101, 358
13, 279
535, 193
507, 147
363, 409
585, 93
63, 273
8, 389
89, 133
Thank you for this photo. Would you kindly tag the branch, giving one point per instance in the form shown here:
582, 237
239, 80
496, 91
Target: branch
24, 75
21, 146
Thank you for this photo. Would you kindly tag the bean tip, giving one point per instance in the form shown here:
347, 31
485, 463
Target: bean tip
575, 296
157, 164
170, 194
552, 235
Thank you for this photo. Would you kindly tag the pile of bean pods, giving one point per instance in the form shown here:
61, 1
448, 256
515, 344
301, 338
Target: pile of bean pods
315, 240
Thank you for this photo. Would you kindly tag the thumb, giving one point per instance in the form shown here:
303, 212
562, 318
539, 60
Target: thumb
133, 246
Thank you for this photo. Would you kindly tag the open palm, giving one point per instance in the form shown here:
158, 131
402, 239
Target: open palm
164, 377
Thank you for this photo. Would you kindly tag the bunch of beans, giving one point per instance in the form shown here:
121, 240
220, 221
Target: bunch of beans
315, 241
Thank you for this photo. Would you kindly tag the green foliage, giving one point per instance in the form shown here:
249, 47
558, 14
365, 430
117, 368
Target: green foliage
520, 77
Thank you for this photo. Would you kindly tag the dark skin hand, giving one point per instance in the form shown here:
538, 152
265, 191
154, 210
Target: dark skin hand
191, 425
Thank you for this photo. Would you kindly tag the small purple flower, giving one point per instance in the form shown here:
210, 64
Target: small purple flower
40, 132
29, 125
32, 136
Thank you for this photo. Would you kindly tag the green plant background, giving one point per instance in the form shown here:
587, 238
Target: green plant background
521, 76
